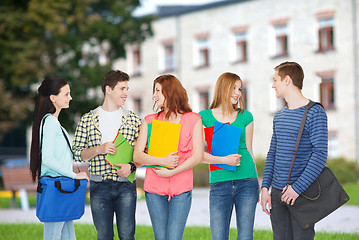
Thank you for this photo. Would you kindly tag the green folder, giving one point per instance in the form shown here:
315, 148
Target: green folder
123, 155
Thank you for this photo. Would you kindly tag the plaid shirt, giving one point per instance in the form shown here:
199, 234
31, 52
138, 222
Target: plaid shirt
88, 135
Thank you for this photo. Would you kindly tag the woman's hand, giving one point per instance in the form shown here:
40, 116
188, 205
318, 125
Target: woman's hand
233, 160
163, 172
82, 175
171, 159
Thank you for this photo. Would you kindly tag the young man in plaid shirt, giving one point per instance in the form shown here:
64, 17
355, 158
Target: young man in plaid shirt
110, 191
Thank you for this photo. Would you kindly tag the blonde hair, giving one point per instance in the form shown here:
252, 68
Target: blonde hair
224, 86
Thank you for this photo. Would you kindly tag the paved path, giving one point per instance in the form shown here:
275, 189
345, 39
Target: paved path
345, 219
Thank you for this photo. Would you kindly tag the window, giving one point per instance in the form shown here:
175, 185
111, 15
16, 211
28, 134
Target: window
241, 46
168, 57
245, 95
326, 34
203, 100
327, 91
333, 144
137, 102
136, 61
281, 40
203, 50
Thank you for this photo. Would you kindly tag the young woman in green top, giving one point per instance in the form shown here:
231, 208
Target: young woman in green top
232, 188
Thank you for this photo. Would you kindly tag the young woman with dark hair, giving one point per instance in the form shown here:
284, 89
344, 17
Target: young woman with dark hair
56, 155
169, 191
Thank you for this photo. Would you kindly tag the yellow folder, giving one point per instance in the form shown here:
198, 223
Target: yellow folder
164, 139
124, 154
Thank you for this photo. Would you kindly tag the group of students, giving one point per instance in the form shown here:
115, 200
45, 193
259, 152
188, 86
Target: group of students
168, 192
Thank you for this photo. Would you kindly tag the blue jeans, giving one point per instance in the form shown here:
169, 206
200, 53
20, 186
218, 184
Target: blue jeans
284, 225
168, 218
109, 197
59, 230
243, 194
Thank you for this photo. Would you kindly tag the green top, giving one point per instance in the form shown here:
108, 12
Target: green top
247, 167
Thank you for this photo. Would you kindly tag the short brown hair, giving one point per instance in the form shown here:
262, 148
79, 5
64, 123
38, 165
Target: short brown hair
175, 94
112, 78
293, 70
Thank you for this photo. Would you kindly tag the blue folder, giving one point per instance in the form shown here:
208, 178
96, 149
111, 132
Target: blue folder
225, 142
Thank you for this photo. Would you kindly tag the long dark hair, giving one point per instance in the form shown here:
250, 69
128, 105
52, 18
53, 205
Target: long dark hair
49, 86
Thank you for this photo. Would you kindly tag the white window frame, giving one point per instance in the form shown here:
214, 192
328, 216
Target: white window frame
130, 55
281, 30
201, 43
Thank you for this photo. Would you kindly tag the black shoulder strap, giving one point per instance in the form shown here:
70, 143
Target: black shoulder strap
300, 132
67, 140
40, 152
42, 134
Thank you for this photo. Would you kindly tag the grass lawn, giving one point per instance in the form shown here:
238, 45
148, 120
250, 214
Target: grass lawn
351, 188
353, 191
87, 231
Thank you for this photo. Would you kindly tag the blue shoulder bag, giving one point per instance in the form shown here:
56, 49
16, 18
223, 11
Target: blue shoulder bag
59, 199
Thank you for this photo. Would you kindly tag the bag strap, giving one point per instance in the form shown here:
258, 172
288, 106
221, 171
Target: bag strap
41, 138
40, 152
300, 132
58, 186
67, 140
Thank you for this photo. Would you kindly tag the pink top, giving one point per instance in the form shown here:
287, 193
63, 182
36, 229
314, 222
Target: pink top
181, 182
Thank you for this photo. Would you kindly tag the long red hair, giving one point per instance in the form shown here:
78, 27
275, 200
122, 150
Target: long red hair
176, 99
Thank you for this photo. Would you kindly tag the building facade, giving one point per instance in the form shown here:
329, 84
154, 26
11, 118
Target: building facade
250, 38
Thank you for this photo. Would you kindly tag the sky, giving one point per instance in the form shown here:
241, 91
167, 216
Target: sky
149, 6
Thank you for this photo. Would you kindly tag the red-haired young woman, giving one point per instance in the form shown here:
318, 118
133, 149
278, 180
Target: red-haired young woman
169, 191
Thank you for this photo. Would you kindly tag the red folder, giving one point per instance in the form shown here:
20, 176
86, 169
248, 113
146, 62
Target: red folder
208, 133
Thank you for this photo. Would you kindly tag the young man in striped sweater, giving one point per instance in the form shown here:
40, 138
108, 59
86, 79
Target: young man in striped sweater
310, 159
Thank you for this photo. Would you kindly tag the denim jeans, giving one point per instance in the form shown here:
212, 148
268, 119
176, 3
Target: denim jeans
59, 230
168, 218
109, 197
283, 224
243, 194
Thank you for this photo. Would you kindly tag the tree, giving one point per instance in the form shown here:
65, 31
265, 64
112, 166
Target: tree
39, 38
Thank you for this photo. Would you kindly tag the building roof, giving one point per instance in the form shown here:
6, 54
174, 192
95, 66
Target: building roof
175, 10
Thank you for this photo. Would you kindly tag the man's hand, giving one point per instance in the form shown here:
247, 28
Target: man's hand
289, 195
266, 200
106, 148
124, 171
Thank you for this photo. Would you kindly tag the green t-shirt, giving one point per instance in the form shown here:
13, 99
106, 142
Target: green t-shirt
247, 167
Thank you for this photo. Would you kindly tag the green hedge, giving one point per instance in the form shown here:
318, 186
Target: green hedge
346, 171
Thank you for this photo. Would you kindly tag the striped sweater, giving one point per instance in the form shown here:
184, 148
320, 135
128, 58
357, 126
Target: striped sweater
312, 152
